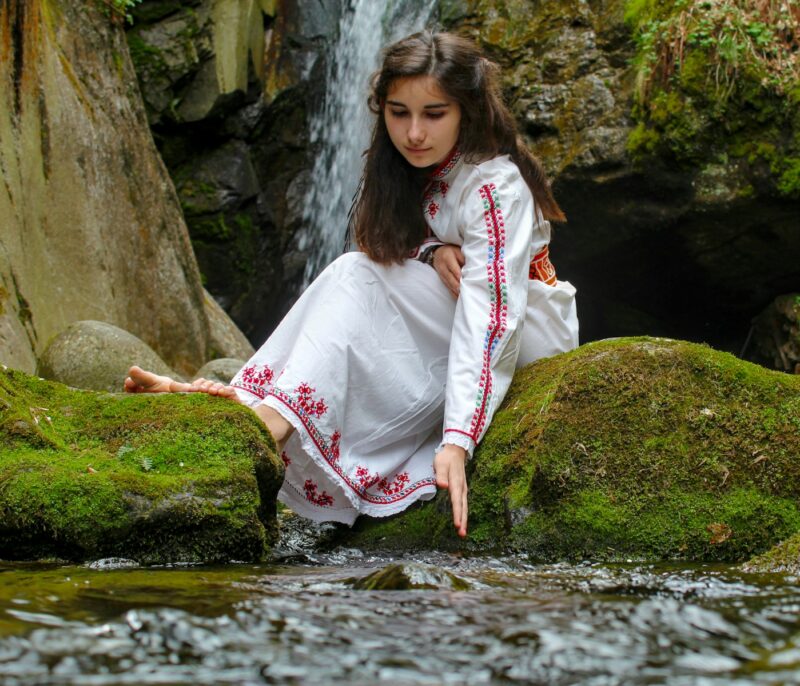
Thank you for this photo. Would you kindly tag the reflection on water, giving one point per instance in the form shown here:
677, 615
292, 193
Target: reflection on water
309, 623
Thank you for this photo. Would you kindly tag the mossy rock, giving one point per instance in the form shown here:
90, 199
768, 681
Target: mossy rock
628, 448
156, 478
782, 558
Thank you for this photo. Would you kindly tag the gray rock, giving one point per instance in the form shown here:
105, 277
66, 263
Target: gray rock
96, 356
407, 576
226, 339
222, 370
91, 224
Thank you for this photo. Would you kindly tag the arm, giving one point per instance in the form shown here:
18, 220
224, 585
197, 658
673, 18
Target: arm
498, 221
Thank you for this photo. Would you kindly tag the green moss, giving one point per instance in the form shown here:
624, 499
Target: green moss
147, 59
716, 78
645, 448
784, 557
156, 478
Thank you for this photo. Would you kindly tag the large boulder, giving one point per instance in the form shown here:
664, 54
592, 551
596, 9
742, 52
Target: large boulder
157, 478
633, 448
92, 226
96, 356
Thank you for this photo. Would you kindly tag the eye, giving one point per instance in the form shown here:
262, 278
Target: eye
398, 113
435, 115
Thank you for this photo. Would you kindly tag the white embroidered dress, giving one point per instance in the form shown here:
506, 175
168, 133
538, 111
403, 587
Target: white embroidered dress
376, 367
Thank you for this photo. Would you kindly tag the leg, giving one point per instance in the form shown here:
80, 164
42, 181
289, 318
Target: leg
141, 381
276, 425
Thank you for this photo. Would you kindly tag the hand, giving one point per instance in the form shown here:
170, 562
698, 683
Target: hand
450, 474
447, 261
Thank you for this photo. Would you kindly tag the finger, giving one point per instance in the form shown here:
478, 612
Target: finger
460, 256
464, 512
131, 386
456, 502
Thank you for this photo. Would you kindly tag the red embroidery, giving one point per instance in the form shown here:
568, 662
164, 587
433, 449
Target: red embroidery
315, 408
335, 438
392, 487
328, 449
542, 268
496, 281
322, 499
254, 379
433, 208
443, 188
285, 458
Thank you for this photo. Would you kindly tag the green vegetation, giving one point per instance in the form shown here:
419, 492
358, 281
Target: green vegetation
719, 76
631, 448
156, 478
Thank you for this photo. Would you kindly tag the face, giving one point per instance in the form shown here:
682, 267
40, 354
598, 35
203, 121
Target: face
422, 121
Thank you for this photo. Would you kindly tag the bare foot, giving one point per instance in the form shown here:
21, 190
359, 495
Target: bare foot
142, 381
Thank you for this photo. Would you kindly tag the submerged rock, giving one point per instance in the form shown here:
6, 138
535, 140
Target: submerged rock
646, 448
156, 478
96, 356
409, 576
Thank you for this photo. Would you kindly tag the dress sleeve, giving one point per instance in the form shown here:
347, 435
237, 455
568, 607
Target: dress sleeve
498, 219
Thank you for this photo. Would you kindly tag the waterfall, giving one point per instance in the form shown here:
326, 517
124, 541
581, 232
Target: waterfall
340, 129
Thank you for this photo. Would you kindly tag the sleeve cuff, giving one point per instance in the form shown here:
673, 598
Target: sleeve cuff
460, 438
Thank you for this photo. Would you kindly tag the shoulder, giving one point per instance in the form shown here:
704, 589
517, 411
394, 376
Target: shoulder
500, 174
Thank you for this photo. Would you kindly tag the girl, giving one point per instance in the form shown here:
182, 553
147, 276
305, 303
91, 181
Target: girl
385, 375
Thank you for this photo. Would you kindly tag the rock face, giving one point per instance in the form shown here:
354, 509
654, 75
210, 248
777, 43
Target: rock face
97, 356
157, 478
680, 187
644, 448
776, 334
228, 87
92, 228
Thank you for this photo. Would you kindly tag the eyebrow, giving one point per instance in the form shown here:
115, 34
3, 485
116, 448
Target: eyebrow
432, 106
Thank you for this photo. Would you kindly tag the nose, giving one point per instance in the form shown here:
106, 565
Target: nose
416, 131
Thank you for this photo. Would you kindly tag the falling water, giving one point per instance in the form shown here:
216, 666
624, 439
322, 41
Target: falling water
342, 126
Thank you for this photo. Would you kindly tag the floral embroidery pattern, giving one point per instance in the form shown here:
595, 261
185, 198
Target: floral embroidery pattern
392, 487
498, 300
286, 460
542, 268
396, 490
315, 408
322, 499
254, 379
437, 185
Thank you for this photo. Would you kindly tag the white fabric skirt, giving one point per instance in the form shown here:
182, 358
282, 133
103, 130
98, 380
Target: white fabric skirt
358, 367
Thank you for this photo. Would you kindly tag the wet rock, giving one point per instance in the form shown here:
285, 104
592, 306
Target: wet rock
156, 478
409, 576
222, 370
631, 448
776, 334
96, 356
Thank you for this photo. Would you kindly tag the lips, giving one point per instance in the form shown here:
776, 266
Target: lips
418, 150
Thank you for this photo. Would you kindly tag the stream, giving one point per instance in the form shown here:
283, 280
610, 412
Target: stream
310, 618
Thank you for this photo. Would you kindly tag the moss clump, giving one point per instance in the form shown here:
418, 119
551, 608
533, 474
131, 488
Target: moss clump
645, 448
784, 557
718, 78
153, 477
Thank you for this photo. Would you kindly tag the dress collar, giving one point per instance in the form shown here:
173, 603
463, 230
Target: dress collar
446, 167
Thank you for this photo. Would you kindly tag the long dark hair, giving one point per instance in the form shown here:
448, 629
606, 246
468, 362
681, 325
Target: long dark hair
387, 220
